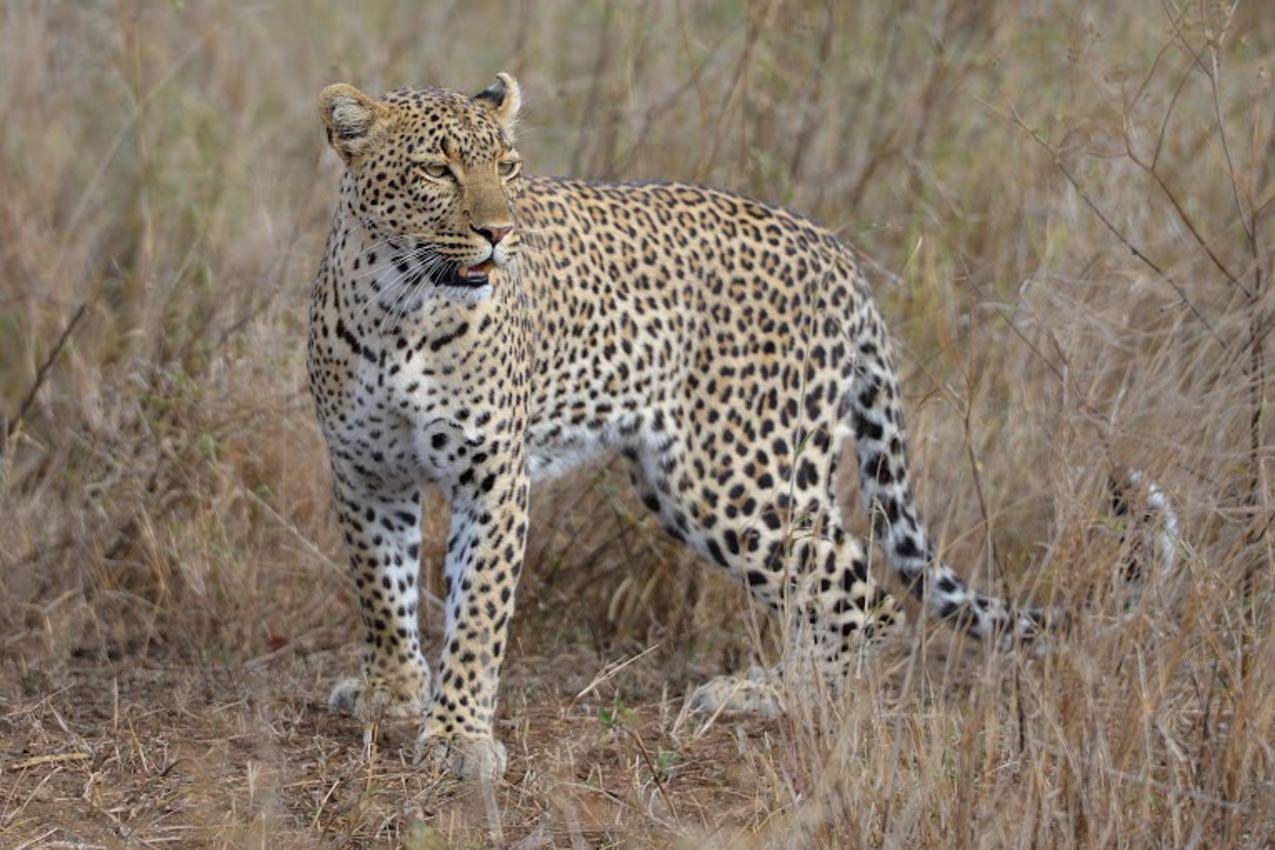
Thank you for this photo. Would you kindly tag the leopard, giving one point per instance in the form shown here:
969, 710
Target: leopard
475, 329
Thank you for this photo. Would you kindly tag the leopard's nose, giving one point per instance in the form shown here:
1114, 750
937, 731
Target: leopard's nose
493, 234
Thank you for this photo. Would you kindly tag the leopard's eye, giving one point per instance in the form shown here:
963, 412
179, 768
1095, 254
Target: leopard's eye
437, 170
509, 167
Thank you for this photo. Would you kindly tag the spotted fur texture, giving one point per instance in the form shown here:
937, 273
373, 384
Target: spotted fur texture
474, 329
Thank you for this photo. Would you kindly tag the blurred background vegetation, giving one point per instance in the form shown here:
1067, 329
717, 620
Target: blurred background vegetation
1065, 210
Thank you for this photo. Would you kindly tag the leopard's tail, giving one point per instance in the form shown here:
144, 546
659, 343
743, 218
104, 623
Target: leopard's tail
875, 415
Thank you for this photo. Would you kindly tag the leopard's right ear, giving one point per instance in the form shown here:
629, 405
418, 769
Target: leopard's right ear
351, 118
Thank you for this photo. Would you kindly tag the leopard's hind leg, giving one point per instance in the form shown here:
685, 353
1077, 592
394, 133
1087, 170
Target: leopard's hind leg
773, 524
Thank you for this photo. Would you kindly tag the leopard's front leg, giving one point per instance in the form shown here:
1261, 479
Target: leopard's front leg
381, 523
485, 549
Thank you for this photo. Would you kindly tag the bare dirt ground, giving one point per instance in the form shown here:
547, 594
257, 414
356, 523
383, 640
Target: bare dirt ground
163, 755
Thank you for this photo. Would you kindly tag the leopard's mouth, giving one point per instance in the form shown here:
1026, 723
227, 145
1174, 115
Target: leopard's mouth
473, 276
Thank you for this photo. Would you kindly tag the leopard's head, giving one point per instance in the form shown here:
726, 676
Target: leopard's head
432, 171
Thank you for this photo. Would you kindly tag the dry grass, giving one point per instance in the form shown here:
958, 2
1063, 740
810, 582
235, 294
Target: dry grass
1075, 205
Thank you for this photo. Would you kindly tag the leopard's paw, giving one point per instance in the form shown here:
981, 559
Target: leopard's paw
370, 698
749, 694
462, 757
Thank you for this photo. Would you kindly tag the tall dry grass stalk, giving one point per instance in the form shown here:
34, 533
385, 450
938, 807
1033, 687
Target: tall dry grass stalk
1067, 214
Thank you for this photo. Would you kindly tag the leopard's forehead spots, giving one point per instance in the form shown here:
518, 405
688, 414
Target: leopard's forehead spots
435, 122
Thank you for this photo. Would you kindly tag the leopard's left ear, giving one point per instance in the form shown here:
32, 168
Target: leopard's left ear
504, 98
